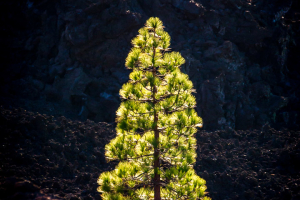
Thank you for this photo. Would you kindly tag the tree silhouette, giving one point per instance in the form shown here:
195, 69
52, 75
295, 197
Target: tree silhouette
156, 124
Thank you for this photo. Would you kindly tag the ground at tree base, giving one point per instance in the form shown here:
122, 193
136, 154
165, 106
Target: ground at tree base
43, 157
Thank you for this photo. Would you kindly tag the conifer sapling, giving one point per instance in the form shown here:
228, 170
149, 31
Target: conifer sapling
156, 123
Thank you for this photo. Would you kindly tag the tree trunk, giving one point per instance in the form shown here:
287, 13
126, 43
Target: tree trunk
156, 162
156, 135
156, 167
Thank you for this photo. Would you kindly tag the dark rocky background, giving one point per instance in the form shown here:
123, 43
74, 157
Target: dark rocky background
62, 66
66, 58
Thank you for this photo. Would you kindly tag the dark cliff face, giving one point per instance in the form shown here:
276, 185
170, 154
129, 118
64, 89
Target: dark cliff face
67, 57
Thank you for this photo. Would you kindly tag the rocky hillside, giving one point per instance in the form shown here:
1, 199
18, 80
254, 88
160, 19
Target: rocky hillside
66, 58
43, 157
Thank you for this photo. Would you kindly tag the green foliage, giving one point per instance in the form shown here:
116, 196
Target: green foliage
157, 99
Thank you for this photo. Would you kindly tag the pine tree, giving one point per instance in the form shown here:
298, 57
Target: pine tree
156, 122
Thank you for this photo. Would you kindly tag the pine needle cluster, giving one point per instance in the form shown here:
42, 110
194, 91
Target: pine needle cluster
155, 141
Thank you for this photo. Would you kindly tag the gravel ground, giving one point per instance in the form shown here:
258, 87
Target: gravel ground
45, 157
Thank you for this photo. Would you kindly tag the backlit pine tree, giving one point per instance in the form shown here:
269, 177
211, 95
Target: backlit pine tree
156, 124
